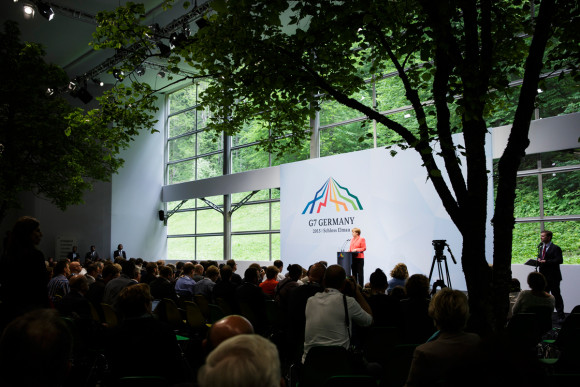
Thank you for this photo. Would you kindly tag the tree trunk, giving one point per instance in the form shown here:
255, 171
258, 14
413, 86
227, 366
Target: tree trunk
503, 220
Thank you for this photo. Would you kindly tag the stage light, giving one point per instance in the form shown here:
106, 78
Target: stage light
119, 75
45, 10
164, 50
28, 11
177, 40
49, 91
202, 23
140, 71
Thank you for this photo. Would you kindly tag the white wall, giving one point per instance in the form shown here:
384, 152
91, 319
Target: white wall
136, 198
121, 211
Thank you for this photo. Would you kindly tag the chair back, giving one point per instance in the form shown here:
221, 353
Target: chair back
170, 313
143, 381
226, 308
523, 331
544, 317
397, 365
350, 380
323, 362
203, 304
95, 313
111, 317
215, 313
378, 341
272, 312
194, 317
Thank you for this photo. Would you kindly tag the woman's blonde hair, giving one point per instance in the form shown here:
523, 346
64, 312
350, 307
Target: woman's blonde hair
357, 230
400, 271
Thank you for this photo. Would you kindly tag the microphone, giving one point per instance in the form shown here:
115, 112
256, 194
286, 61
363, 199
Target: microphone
344, 245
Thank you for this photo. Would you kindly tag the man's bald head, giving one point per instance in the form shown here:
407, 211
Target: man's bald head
75, 267
227, 327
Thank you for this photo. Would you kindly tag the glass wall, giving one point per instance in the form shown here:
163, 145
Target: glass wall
547, 183
547, 199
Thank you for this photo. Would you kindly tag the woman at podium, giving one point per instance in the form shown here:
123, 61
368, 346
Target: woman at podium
358, 245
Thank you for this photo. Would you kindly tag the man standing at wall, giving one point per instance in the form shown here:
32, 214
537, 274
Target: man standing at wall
550, 259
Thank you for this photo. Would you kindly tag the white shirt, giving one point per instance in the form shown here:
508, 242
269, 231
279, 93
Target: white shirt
325, 320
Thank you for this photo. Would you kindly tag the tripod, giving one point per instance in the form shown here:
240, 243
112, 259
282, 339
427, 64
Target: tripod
439, 258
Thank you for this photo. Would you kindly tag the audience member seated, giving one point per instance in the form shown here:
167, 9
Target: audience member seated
92, 273
415, 321
58, 285
453, 358
236, 278
398, 293
250, 294
325, 312
141, 345
178, 268
261, 271
76, 269
244, 360
185, 284
386, 309
269, 286
536, 297
206, 284
225, 289
285, 286
129, 277
151, 273
399, 276
198, 271
297, 309
225, 328
97, 289
74, 304
162, 286
280, 266
35, 350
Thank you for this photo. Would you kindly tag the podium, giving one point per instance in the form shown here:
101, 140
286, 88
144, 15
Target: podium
344, 259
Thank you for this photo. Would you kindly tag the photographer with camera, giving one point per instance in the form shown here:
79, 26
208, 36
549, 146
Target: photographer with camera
330, 314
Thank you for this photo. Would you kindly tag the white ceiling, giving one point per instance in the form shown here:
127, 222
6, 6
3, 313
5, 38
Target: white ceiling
66, 37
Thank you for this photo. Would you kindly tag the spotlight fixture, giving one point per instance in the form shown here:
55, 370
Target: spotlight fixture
161, 74
202, 23
28, 11
177, 40
97, 81
140, 71
83, 94
153, 30
73, 86
119, 75
164, 50
50, 90
45, 10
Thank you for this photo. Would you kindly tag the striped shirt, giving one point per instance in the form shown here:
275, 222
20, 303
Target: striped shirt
58, 288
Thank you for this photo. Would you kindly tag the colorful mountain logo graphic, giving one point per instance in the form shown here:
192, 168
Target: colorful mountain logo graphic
333, 195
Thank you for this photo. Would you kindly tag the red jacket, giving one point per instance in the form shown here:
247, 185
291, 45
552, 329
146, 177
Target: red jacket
358, 244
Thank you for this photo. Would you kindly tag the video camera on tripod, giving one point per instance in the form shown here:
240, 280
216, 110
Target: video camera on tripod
439, 246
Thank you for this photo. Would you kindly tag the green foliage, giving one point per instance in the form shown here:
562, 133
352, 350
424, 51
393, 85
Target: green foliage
48, 146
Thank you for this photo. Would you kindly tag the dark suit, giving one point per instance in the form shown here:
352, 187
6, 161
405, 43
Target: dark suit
551, 270
119, 253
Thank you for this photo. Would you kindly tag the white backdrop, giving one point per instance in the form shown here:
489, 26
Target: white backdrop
401, 213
